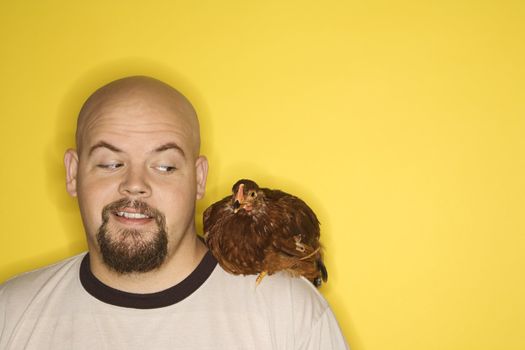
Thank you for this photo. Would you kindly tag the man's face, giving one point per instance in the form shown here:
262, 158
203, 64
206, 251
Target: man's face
137, 182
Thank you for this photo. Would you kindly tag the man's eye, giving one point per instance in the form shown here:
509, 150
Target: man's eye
166, 168
110, 166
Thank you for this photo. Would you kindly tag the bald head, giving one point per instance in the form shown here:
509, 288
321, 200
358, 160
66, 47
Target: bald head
139, 92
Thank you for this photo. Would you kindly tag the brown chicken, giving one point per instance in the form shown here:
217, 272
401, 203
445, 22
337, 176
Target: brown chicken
262, 231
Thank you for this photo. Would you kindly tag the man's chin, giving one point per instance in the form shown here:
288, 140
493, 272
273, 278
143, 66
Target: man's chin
132, 237
133, 251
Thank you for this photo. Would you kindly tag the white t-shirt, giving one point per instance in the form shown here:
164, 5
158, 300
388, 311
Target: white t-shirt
64, 306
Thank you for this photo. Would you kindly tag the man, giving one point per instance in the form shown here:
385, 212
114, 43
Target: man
148, 282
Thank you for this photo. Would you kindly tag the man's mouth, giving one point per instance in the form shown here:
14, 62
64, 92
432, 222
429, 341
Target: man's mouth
129, 215
133, 216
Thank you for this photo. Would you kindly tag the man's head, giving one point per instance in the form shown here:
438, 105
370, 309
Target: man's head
137, 172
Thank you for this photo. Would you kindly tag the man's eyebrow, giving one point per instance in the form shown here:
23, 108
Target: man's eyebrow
104, 144
170, 145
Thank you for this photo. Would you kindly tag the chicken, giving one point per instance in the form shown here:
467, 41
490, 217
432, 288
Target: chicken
261, 231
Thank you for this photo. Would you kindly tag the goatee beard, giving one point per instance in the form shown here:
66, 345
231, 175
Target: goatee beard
126, 250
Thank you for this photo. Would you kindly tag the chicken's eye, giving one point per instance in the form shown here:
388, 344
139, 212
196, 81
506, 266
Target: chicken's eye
252, 194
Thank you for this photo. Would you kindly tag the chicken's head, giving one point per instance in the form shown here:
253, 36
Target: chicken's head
245, 195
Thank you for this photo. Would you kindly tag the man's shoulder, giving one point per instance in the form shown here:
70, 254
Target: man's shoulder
297, 293
291, 308
280, 290
282, 283
29, 283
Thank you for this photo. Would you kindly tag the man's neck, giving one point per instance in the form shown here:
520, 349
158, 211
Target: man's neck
178, 265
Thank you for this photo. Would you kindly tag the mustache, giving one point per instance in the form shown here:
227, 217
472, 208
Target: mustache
141, 206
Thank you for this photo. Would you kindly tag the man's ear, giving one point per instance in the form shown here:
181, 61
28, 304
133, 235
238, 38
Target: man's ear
201, 173
71, 163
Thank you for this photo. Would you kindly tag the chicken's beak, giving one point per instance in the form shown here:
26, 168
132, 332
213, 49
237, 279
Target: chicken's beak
239, 198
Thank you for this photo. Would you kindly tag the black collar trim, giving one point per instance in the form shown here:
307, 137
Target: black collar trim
163, 298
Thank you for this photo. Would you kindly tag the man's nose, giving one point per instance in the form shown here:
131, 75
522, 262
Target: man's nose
135, 183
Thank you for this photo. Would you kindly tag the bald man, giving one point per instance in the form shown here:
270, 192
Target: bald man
147, 281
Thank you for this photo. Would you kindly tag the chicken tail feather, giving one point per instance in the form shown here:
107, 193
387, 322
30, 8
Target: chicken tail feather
324, 273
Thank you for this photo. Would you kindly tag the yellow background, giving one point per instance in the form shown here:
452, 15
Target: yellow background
401, 123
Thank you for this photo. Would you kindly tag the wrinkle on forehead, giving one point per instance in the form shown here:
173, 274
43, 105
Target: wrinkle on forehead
139, 93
